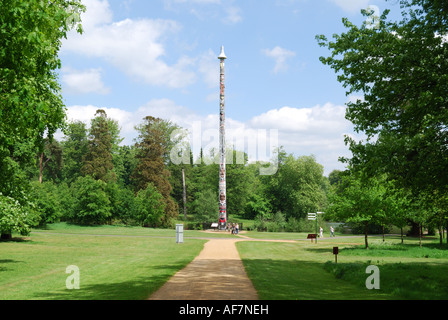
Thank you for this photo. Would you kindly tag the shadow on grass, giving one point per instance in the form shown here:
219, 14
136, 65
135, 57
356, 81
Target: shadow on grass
139, 288
407, 281
5, 262
16, 239
303, 280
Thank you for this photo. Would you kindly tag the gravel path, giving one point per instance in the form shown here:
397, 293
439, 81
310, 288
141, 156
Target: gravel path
217, 273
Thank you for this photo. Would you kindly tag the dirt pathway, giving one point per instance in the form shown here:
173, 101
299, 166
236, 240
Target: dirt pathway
217, 273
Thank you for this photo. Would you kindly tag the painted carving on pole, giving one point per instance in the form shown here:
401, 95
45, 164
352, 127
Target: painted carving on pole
222, 147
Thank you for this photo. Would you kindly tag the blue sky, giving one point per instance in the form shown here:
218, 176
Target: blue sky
159, 58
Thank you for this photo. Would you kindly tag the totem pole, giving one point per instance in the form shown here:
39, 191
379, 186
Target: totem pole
222, 147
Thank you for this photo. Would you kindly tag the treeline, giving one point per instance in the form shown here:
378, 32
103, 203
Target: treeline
89, 178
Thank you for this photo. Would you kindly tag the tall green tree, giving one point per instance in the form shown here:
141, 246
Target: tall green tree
239, 182
31, 105
296, 188
150, 151
98, 161
401, 69
74, 148
51, 158
357, 201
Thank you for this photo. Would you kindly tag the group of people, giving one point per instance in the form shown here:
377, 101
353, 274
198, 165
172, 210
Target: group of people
321, 232
233, 227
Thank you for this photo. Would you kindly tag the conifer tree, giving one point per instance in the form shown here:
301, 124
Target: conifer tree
98, 160
150, 150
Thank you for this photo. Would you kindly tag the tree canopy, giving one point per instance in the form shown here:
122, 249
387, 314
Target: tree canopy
401, 70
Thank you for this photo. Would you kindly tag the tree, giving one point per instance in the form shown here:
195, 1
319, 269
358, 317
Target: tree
296, 188
98, 159
149, 207
401, 70
13, 217
150, 150
30, 101
31, 105
239, 181
74, 148
91, 205
334, 177
357, 201
51, 158
47, 200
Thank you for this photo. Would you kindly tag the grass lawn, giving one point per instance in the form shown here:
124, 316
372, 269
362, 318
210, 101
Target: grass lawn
130, 263
122, 264
305, 271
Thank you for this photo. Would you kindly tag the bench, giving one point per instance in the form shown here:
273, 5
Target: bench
214, 225
311, 236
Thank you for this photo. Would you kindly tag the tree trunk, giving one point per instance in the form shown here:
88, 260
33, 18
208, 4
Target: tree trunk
365, 234
401, 235
420, 235
42, 165
414, 232
383, 232
447, 234
41, 168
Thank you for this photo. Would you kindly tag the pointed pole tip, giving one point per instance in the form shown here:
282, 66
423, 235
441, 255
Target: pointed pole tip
222, 55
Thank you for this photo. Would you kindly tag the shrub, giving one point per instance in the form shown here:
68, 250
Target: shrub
149, 207
13, 217
91, 204
47, 202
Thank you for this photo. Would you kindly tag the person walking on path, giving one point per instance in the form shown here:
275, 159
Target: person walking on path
331, 231
321, 232
237, 227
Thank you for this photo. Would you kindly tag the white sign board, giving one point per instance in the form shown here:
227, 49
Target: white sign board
179, 233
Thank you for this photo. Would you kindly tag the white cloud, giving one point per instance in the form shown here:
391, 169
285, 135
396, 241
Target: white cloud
210, 9
85, 81
233, 15
316, 119
351, 6
134, 46
280, 55
317, 130
208, 67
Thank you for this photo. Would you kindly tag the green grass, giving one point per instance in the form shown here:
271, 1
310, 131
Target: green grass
407, 270
115, 263
66, 228
305, 271
129, 263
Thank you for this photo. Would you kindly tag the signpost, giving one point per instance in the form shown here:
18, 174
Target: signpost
313, 216
335, 252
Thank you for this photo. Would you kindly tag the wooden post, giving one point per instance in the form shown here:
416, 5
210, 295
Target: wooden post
335, 252
184, 194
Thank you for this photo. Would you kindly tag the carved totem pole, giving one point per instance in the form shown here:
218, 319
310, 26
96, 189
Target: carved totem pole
222, 147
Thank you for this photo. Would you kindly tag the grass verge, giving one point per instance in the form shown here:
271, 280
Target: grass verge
114, 264
304, 271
